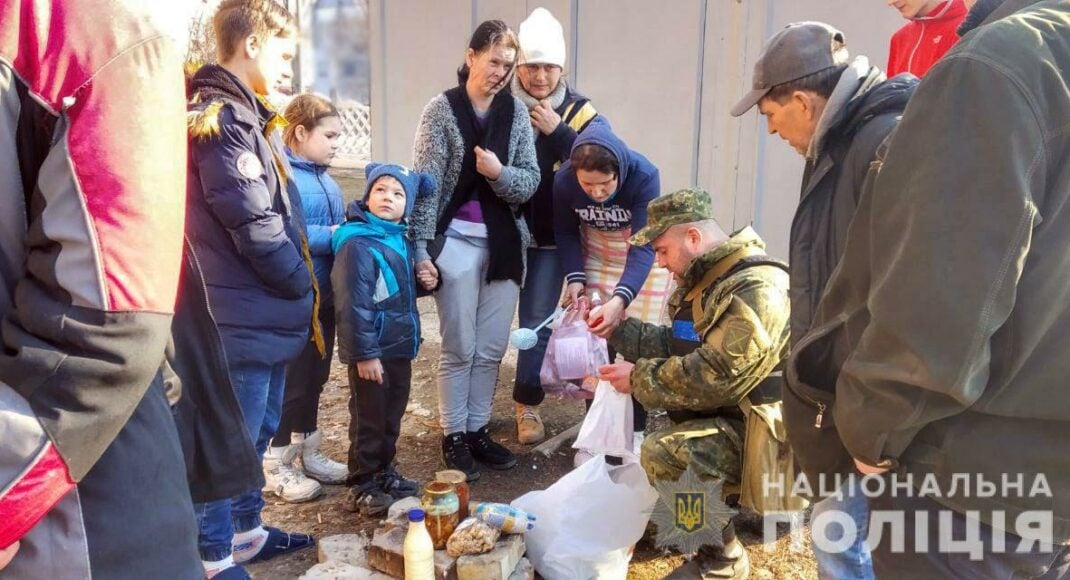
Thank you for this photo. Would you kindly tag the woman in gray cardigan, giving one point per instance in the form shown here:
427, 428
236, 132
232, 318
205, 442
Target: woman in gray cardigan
477, 141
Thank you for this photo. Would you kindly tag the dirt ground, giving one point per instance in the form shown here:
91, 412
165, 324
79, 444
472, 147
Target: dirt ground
419, 458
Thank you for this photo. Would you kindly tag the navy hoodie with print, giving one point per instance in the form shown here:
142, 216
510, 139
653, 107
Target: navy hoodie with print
637, 184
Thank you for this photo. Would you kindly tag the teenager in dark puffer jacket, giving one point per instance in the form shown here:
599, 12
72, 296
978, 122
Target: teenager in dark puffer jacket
244, 224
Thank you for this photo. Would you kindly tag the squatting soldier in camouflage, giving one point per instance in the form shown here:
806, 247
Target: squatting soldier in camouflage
729, 333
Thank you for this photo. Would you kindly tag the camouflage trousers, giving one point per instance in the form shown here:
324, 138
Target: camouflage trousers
713, 447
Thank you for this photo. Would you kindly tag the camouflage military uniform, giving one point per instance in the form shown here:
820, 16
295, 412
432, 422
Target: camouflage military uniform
713, 355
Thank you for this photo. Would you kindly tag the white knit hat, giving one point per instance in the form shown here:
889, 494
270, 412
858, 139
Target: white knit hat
542, 40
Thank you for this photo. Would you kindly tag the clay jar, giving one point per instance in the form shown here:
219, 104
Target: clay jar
459, 481
442, 506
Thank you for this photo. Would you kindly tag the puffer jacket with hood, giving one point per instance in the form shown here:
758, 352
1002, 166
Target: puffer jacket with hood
373, 273
245, 224
861, 112
637, 184
321, 199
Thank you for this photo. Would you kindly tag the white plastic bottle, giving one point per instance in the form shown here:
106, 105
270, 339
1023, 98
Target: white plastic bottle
595, 305
418, 550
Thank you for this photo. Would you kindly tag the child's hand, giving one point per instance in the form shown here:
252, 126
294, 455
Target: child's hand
370, 370
428, 281
487, 164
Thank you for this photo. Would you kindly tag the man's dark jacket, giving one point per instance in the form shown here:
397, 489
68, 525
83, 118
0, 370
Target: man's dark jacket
861, 113
944, 332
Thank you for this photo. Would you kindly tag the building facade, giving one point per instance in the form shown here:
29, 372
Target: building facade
665, 72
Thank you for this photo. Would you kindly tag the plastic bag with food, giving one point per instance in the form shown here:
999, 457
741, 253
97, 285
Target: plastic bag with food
472, 536
573, 355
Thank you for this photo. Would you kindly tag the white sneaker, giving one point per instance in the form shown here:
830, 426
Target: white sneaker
285, 480
637, 442
317, 465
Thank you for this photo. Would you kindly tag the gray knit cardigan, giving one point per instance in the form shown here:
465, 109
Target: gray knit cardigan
439, 149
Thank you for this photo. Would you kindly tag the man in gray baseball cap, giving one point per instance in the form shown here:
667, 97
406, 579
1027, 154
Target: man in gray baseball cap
834, 112
799, 50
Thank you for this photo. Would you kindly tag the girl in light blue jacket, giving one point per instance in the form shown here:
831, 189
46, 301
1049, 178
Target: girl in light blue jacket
311, 141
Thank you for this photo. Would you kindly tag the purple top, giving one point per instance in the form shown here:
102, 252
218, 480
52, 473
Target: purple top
470, 211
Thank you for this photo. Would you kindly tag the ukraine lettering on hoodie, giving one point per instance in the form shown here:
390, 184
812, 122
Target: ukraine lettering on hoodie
605, 218
637, 184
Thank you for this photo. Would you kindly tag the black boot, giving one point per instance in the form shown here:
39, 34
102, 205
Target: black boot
489, 453
368, 500
456, 454
393, 483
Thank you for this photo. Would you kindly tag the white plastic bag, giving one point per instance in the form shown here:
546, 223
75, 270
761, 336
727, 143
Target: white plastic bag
589, 521
608, 426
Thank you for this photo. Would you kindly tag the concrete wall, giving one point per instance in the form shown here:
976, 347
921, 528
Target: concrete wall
664, 72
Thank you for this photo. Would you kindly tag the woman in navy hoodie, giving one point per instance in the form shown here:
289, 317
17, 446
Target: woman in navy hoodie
311, 141
600, 198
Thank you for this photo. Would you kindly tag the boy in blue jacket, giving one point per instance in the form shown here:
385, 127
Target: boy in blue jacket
378, 330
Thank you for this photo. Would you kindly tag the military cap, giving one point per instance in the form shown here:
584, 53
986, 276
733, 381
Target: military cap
679, 207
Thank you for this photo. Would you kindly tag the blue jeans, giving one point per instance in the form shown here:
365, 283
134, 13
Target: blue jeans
259, 389
855, 561
538, 299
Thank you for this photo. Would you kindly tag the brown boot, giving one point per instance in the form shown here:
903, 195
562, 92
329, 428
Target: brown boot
729, 562
529, 427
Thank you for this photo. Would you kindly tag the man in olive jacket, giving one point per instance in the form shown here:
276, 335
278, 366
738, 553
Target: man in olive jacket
728, 335
953, 294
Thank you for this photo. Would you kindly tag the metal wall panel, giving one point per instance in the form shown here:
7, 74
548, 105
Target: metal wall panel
416, 47
664, 73
641, 66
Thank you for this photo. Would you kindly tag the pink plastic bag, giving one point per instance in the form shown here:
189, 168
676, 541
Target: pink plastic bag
573, 355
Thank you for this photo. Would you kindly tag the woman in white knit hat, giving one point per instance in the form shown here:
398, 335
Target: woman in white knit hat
558, 114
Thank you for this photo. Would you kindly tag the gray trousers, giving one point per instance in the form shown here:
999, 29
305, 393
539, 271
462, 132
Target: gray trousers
474, 320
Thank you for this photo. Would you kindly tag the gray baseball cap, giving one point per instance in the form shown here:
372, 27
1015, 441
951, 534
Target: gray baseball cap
799, 50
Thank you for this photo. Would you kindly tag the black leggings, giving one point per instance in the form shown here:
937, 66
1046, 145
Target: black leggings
305, 377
